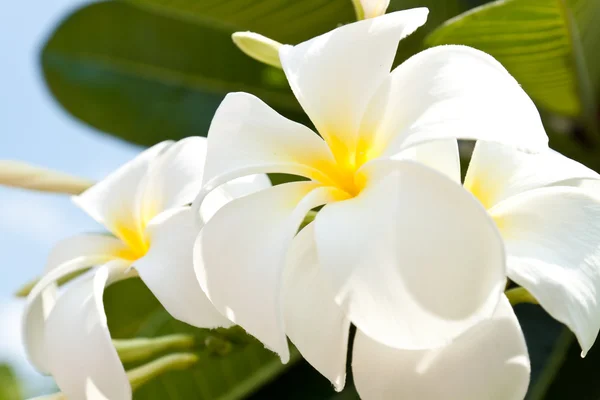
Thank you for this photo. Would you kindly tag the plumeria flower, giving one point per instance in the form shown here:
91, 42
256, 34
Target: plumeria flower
412, 259
144, 205
547, 208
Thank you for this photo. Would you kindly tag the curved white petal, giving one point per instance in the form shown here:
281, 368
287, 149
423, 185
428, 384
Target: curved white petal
334, 75
87, 248
552, 238
489, 361
248, 137
441, 155
450, 92
34, 326
174, 179
69, 255
497, 172
414, 259
240, 253
115, 201
168, 270
80, 353
314, 323
223, 194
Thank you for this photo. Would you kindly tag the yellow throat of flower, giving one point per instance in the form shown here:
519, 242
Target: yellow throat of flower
137, 244
348, 160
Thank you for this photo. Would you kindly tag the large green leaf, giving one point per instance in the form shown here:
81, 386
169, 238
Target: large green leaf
287, 21
144, 77
146, 70
550, 46
231, 364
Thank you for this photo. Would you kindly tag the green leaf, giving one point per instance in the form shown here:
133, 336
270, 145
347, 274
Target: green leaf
148, 70
286, 21
9, 385
144, 76
550, 47
231, 364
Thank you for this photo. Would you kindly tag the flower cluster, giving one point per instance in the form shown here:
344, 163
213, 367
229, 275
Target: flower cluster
402, 249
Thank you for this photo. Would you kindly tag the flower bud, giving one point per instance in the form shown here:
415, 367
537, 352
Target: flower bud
259, 47
370, 8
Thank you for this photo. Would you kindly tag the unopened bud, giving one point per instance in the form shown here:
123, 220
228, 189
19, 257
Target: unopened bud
370, 8
259, 47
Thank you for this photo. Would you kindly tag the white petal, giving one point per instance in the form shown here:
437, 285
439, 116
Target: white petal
168, 270
414, 259
79, 348
450, 92
175, 178
334, 75
115, 201
489, 361
552, 238
248, 137
69, 255
441, 155
374, 8
87, 248
314, 323
34, 327
240, 254
497, 172
234, 189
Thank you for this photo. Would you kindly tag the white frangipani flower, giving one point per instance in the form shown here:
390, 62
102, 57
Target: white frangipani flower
551, 228
547, 208
144, 204
412, 259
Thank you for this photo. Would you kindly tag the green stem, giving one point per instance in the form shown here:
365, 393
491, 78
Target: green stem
28, 287
360, 13
142, 375
520, 295
139, 349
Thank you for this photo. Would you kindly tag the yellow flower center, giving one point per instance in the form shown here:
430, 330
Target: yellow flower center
348, 160
137, 244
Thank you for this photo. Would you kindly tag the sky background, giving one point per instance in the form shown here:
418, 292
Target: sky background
35, 129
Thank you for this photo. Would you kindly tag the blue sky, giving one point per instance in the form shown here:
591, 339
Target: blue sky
35, 129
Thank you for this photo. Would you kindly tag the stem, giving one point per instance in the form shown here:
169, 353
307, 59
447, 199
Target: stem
142, 375
139, 349
358, 8
520, 295
28, 287
22, 175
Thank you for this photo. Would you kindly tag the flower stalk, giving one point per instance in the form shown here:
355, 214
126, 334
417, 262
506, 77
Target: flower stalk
145, 373
25, 176
140, 349
520, 295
